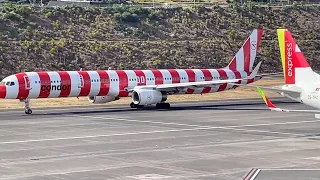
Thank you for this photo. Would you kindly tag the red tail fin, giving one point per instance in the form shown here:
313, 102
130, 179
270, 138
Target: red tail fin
296, 69
245, 57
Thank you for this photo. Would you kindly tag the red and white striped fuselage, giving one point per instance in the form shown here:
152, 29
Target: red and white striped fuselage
144, 86
56, 84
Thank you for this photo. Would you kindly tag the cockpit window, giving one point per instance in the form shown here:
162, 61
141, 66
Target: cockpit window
8, 83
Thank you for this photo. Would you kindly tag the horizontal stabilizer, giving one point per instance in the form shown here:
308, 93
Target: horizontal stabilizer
255, 71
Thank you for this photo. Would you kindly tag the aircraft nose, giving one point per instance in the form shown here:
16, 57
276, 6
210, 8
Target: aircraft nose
3, 91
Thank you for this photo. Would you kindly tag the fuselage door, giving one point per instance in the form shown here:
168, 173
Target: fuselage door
81, 81
27, 82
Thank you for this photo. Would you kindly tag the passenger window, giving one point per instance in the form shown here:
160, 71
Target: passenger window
12, 84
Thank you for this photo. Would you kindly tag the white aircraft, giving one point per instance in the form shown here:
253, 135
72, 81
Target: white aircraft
143, 86
302, 84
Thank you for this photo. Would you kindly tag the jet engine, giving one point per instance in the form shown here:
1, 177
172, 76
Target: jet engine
147, 96
101, 99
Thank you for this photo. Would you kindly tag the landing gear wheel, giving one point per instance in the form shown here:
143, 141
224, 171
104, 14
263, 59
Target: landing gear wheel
132, 105
140, 106
28, 111
163, 106
167, 106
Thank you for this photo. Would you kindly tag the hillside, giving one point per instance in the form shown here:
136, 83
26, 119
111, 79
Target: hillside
132, 37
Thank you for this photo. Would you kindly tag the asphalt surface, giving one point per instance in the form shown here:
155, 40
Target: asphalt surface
280, 174
192, 141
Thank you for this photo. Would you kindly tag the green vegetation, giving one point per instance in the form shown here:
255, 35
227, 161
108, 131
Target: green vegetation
132, 37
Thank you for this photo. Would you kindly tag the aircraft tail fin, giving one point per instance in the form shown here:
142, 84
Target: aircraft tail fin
245, 57
296, 69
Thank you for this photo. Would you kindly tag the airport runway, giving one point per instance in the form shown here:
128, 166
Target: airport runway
193, 141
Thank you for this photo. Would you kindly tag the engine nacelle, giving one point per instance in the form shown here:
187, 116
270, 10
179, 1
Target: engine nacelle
101, 99
147, 96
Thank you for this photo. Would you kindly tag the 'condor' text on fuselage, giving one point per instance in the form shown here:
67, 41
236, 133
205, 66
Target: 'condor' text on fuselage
55, 87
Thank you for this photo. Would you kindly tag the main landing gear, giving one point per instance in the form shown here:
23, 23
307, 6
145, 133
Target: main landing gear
163, 106
26, 106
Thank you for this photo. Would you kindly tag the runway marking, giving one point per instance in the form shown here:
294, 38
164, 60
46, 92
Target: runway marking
252, 116
163, 177
192, 125
280, 123
197, 127
68, 108
67, 171
106, 135
97, 168
102, 135
260, 114
286, 169
145, 150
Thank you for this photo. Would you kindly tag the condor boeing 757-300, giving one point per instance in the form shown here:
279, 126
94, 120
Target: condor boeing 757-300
145, 87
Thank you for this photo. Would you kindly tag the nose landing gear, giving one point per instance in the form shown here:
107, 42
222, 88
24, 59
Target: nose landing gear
26, 106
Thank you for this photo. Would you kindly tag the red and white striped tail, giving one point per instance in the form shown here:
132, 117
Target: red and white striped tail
245, 57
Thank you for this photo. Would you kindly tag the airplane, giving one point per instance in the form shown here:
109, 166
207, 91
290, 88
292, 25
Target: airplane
273, 107
145, 87
302, 84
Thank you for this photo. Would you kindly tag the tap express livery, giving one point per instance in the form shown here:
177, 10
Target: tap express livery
302, 84
145, 87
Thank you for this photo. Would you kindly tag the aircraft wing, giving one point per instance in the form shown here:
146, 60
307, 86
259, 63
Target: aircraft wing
168, 87
273, 107
200, 84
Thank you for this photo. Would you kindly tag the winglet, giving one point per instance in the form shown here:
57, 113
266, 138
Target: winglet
255, 71
267, 101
